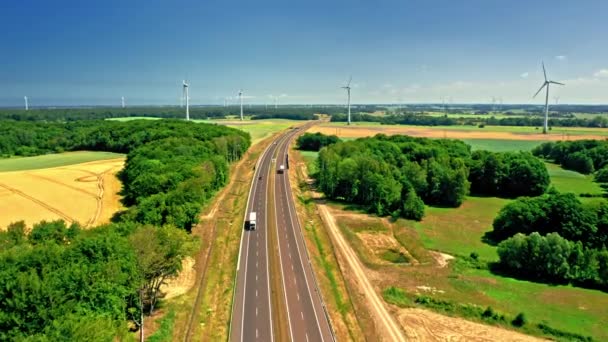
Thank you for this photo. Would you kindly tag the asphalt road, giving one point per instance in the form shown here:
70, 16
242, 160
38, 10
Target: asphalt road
252, 316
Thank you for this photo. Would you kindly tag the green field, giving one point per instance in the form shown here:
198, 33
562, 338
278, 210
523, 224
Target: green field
54, 160
502, 145
258, 129
572, 181
131, 118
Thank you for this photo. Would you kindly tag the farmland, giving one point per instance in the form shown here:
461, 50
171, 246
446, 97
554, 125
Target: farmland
77, 187
363, 129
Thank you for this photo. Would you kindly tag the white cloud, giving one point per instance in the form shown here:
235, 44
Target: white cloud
524, 75
561, 58
601, 73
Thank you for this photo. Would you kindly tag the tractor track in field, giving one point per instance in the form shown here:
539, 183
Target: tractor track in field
39, 202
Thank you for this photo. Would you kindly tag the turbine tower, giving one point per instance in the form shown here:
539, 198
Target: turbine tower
241, 99
26, 104
546, 84
276, 102
347, 87
185, 87
122, 100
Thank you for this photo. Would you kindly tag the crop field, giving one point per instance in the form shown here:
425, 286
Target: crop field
364, 129
72, 190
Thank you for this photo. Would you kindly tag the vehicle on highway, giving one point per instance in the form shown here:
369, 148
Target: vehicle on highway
250, 224
281, 169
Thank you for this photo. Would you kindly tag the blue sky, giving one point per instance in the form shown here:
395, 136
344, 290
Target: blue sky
76, 53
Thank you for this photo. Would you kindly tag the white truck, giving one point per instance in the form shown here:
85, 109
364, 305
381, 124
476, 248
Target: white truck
251, 222
281, 169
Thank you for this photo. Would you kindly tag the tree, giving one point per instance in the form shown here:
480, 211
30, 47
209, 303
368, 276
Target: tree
159, 252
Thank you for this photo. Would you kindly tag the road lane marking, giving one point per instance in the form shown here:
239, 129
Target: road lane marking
295, 226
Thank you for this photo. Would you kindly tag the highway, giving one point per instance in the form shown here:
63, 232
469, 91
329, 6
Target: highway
252, 316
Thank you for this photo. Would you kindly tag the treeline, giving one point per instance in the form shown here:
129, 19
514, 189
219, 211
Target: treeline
60, 283
584, 156
167, 112
315, 141
553, 259
417, 119
397, 175
554, 237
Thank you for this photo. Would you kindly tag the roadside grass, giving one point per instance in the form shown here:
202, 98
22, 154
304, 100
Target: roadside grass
165, 331
54, 160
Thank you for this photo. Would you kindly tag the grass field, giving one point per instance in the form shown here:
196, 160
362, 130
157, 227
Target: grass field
502, 145
75, 191
571, 181
54, 160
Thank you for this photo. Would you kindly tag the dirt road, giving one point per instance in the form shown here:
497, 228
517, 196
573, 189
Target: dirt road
385, 322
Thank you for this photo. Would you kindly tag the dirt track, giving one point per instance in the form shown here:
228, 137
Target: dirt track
387, 325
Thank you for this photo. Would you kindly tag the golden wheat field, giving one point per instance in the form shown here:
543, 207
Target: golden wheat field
86, 193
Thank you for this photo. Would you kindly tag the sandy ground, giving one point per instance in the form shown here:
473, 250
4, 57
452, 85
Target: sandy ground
85, 193
424, 325
427, 132
183, 282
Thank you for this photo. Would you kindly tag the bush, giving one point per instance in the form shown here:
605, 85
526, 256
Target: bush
520, 320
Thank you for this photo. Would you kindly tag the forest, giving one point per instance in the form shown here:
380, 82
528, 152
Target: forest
166, 112
64, 283
315, 141
397, 175
554, 238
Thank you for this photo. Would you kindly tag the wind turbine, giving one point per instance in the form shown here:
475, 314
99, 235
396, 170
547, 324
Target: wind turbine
122, 101
546, 84
185, 87
26, 104
556, 98
241, 99
347, 87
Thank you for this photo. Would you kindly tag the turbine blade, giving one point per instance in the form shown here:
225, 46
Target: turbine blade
349, 80
541, 88
544, 72
556, 83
